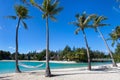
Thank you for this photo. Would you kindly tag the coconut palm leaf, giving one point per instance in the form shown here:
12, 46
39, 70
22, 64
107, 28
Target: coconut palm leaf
89, 18
43, 16
11, 17
27, 17
53, 18
101, 25
117, 29
56, 11
77, 30
99, 19
55, 3
77, 16
21, 11
36, 5
24, 24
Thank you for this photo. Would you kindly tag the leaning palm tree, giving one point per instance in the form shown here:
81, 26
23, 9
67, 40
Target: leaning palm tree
98, 23
21, 14
82, 23
49, 8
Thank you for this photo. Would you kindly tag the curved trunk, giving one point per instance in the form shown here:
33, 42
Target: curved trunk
48, 73
88, 54
16, 53
113, 62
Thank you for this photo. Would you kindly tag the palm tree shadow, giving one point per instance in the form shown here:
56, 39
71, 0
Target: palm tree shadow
93, 71
5, 78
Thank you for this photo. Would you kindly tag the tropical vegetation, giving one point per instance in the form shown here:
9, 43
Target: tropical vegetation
49, 8
67, 54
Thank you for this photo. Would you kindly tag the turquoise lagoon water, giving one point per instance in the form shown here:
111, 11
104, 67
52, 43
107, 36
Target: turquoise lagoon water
9, 66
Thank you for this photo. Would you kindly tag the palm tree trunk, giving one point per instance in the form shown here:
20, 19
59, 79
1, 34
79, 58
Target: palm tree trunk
16, 54
114, 63
88, 54
48, 73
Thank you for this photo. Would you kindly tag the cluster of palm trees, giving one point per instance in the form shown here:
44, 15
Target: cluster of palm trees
91, 21
50, 8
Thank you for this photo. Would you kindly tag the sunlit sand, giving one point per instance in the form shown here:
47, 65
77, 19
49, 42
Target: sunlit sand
102, 72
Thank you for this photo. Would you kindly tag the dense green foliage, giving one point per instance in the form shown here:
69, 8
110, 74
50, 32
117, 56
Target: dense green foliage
68, 54
115, 35
117, 53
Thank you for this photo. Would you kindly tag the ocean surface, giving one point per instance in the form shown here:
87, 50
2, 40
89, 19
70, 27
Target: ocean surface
9, 66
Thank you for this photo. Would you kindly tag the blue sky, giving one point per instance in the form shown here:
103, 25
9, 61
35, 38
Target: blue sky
61, 33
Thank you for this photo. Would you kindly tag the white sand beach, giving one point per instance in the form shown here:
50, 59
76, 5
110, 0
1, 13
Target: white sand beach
103, 72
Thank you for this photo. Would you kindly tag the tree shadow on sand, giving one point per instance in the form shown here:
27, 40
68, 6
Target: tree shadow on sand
102, 70
5, 78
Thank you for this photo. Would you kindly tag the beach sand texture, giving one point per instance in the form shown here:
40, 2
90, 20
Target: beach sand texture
104, 72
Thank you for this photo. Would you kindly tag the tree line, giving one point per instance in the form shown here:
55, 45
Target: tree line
67, 54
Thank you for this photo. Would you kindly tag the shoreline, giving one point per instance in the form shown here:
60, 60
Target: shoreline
102, 72
41, 61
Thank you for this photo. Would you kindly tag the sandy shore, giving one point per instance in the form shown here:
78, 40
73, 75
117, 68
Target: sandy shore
69, 62
104, 72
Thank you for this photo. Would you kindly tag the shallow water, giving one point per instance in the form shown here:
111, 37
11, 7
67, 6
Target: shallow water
9, 66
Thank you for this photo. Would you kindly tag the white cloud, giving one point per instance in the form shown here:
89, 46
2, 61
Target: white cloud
10, 47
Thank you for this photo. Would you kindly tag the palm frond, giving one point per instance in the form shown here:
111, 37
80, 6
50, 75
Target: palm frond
45, 4
100, 19
103, 25
25, 2
36, 5
32, 2
77, 16
44, 16
113, 43
77, 30
21, 11
27, 17
89, 18
11, 17
24, 24
117, 29
55, 4
56, 11
53, 18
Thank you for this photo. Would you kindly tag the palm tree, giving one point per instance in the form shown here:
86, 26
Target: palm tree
98, 23
21, 14
49, 9
115, 35
82, 22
